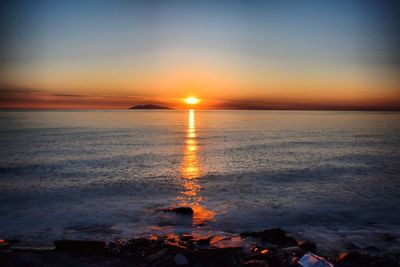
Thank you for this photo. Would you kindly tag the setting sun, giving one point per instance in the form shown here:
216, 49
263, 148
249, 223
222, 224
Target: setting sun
192, 100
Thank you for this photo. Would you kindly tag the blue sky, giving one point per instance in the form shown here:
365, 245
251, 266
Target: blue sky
267, 46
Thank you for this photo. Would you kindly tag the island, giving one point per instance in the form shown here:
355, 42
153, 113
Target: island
149, 106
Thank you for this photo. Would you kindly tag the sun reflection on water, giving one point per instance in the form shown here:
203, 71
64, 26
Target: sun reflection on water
190, 167
190, 174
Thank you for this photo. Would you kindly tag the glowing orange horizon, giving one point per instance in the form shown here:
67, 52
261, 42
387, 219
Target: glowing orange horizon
352, 100
192, 100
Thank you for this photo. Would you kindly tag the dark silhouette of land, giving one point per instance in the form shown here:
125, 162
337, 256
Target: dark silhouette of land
149, 106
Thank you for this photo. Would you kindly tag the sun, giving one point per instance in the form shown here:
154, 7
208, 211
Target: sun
192, 100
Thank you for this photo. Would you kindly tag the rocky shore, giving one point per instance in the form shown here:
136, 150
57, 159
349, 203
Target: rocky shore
268, 248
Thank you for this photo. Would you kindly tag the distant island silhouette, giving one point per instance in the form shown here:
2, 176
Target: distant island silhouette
149, 106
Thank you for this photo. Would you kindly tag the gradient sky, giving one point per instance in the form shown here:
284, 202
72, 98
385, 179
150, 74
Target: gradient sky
231, 54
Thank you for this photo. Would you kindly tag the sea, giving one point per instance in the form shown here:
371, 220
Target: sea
332, 177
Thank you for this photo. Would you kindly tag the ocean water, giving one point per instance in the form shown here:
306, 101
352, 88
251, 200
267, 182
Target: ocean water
331, 177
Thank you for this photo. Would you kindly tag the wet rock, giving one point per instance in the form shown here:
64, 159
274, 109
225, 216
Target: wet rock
176, 247
203, 241
264, 252
181, 210
307, 246
115, 246
141, 247
187, 245
31, 249
256, 252
312, 260
171, 240
356, 259
291, 261
274, 261
275, 236
158, 256
353, 258
255, 263
83, 246
55, 258
216, 257
186, 237
293, 250
180, 260
255, 248
186, 251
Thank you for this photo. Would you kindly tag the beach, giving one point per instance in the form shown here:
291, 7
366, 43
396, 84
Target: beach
267, 248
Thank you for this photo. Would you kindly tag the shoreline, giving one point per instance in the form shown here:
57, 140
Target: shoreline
271, 247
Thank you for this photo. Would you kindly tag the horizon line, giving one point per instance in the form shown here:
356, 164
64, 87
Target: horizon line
394, 109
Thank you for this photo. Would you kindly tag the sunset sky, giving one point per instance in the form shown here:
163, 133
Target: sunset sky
230, 54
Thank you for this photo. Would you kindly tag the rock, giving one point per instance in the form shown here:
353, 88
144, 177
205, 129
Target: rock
180, 259
83, 246
356, 259
293, 250
58, 258
255, 263
216, 257
158, 255
289, 262
186, 237
115, 246
203, 241
31, 249
176, 247
275, 236
256, 252
255, 248
141, 247
312, 260
293, 261
307, 246
353, 258
181, 210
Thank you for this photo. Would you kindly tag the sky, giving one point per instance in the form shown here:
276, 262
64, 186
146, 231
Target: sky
231, 54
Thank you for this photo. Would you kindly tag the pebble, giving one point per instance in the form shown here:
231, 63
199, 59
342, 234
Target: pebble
180, 259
